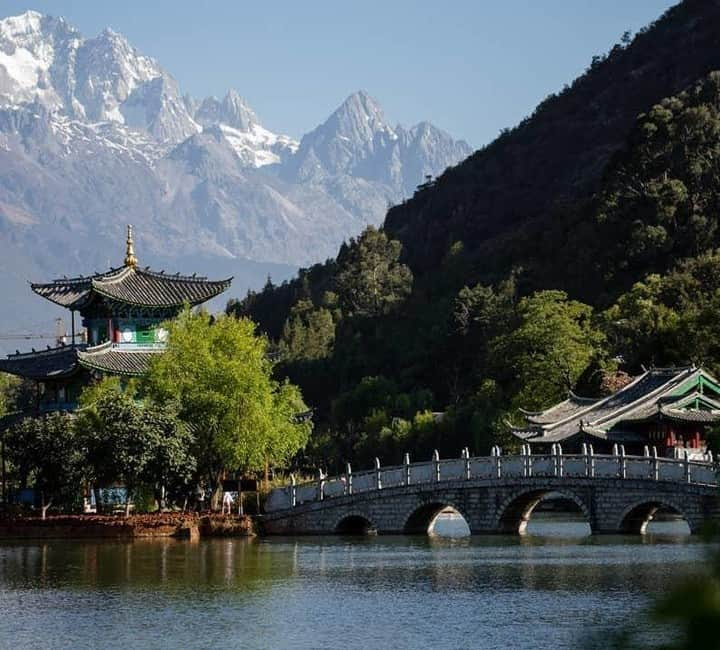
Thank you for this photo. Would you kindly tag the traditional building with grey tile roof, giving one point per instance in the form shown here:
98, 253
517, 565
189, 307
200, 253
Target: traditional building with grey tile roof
663, 407
122, 311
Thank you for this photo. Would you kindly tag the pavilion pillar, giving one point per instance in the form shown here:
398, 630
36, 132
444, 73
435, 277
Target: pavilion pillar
72, 327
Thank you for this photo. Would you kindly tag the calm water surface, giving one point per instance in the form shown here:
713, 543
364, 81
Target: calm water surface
544, 590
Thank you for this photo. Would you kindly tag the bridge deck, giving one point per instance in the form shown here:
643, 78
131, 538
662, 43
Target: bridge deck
616, 492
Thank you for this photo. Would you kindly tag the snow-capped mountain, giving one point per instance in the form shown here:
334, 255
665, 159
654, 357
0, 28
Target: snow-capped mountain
45, 60
357, 141
94, 134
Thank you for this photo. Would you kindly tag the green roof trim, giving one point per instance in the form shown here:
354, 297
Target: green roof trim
700, 382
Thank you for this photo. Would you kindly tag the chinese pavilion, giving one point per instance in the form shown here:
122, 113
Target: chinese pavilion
122, 312
667, 408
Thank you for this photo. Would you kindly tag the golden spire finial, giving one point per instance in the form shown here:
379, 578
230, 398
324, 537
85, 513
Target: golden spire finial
130, 259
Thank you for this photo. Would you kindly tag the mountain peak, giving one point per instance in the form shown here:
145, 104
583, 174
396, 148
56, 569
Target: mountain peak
356, 141
109, 40
238, 110
25, 23
233, 95
109, 34
31, 28
361, 105
356, 122
233, 110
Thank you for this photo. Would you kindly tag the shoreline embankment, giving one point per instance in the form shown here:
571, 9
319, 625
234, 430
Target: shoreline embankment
154, 525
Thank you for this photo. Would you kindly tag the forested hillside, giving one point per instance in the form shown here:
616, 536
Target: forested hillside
565, 255
505, 200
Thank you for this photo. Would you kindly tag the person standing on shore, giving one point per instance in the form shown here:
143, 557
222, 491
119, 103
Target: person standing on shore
227, 502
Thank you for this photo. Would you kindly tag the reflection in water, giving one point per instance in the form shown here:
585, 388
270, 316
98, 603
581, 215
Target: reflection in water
483, 592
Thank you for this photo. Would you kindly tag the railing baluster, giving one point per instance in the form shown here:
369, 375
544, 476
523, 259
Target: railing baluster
496, 451
466, 458
320, 485
293, 491
560, 460
406, 467
436, 466
348, 484
378, 475
529, 461
616, 457
655, 464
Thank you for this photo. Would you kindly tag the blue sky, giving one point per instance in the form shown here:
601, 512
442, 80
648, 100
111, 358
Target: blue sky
470, 67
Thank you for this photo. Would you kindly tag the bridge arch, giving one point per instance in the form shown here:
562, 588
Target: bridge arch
636, 517
354, 523
514, 513
422, 515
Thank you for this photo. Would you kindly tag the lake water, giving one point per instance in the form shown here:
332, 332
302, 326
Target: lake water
543, 590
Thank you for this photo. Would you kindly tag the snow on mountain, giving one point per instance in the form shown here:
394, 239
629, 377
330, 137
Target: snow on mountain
99, 79
94, 134
254, 144
257, 146
30, 47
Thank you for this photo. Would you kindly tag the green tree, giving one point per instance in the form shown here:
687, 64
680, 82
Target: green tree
48, 451
479, 314
370, 279
553, 344
308, 334
219, 375
641, 328
133, 442
6, 385
15, 394
669, 319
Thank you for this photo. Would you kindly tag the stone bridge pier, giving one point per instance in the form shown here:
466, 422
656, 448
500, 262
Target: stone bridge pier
619, 503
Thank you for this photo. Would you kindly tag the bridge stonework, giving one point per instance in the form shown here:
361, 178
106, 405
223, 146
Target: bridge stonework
501, 504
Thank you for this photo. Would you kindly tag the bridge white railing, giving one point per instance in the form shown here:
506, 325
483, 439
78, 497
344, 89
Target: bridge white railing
649, 467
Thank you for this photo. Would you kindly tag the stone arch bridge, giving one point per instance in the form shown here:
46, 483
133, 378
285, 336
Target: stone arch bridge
497, 494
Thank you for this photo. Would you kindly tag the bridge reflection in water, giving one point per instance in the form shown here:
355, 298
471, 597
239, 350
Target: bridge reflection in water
615, 493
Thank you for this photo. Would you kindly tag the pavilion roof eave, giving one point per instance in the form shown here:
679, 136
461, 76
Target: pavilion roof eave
607, 421
138, 288
691, 415
594, 405
42, 365
111, 359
